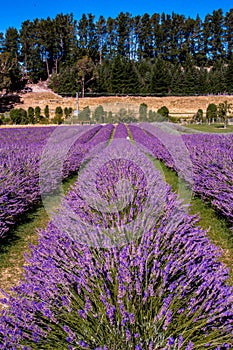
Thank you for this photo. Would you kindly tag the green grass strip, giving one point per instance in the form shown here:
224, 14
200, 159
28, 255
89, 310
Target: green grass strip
212, 128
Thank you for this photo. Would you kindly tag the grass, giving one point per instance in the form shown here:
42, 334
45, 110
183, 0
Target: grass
218, 228
212, 128
13, 250
17, 243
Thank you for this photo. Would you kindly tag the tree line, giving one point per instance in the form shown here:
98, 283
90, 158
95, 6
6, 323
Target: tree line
19, 116
157, 54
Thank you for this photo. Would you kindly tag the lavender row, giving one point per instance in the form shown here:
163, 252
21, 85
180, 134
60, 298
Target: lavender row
203, 160
160, 286
212, 159
151, 144
33, 161
121, 131
20, 151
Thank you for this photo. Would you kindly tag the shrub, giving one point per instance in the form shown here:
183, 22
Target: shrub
18, 116
164, 112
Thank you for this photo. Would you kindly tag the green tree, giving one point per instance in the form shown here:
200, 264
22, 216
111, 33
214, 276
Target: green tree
31, 51
216, 35
123, 76
37, 114
86, 72
109, 117
11, 46
99, 114
228, 35
101, 37
151, 115
8, 67
160, 77
67, 81
198, 116
117, 75
217, 77
46, 112
68, 111
229, 75
92, 38
18, 116
85, 115
224, 108
82, 35
190, 74
31, 115
111, 37
123, 30
58, 117
145, 47
143, 112
211, 113
62, 44
58, 112
164, 112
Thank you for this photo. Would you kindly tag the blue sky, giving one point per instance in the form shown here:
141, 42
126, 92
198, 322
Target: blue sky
14, 12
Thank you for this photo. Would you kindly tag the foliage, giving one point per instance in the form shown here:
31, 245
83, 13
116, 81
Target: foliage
211, 113
46, 112
151, 54
68, 112
164, 112
223, 111
84, 115
143, 112
18, 116
86, 72
37, 114
99, 115
198, 117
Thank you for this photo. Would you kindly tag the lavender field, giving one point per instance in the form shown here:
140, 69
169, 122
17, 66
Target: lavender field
122, 264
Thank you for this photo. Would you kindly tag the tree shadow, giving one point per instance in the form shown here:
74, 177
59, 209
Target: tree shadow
8, 101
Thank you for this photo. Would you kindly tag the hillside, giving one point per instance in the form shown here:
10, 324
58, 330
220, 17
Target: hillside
184, 106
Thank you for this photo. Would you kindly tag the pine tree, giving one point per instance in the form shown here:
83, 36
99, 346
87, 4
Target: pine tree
229, 76
123, 28
160, 80
145, 47
228, 35
101, 37
11, 46
46, 112
111, 37
216, 35
31, 115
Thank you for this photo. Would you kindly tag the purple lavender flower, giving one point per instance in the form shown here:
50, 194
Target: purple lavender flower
165, 279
